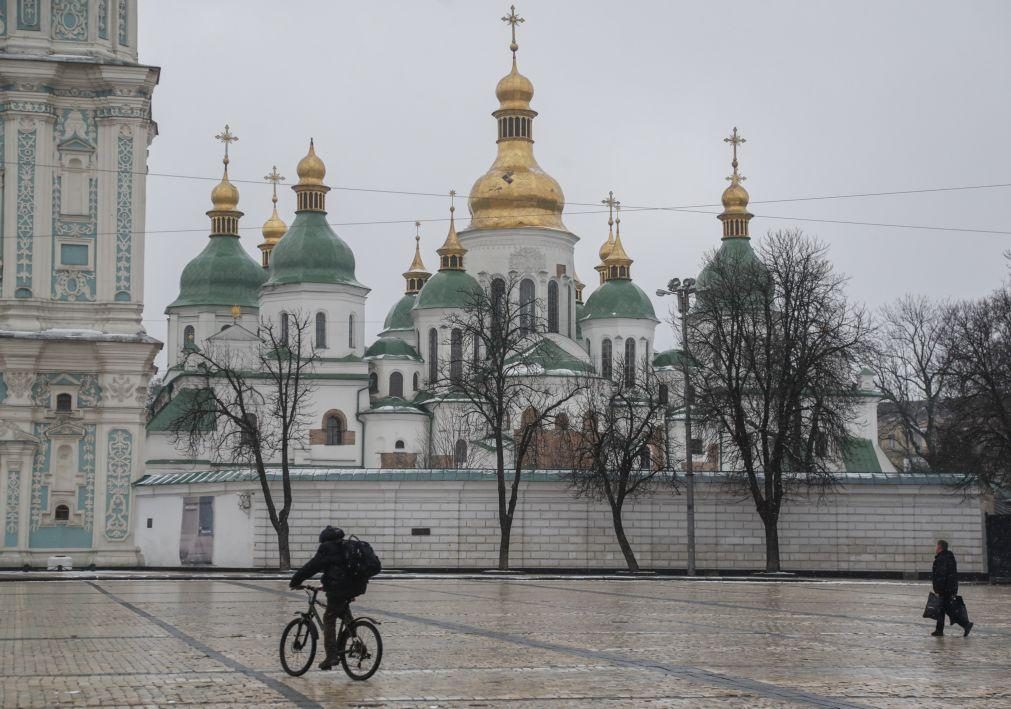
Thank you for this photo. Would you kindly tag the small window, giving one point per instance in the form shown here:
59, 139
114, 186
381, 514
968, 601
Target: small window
373, 383
189, 337
397, 384
351, 331
460, 453
320, 331
433, 355
629, 362
645, 459
526, 305
605, 359
61, 513
284, 328
249, 430
74, 254
552, 306
697, 446
64, 402
562, 422
456, 356
417, 382
399, 445
334, 428
664, 394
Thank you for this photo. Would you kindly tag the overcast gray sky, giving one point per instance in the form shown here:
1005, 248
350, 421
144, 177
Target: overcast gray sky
636, 97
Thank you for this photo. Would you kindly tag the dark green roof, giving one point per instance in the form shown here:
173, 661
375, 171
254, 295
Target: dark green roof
548, 358
167, 416
619, 298
399, 318
859, 456
669, 358
447, 289
222, 274
311, 252
391, 348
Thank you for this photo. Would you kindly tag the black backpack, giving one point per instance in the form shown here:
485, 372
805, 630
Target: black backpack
362, 562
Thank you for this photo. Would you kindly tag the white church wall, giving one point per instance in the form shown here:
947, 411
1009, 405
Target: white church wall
159, 543
386, 429
343, 306
233, 531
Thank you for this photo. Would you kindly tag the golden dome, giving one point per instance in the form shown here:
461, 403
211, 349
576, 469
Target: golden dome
225, 195
735, 198
514, 91
311, 169
605, 248
274, 228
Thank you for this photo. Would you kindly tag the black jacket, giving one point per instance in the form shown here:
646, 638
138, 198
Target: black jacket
945, 574
330, 560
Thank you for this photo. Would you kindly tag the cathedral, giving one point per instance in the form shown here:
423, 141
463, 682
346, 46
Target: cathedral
92, 466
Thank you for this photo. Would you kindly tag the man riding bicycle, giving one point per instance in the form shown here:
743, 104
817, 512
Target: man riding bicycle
332, 561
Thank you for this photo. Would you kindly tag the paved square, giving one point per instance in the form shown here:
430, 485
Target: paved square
507, 642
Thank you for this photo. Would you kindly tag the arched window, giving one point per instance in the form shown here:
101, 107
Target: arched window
664, 394
568, 310
605, 359
397, 384
629, 362
529, 417
61, 513
189, 337
284, 328
552, 306
249, 431
526, 305
646, 459
351, 331
399, 445
433, 355
417, 382
64, 402
373, 383
460, 453
562, 422
456, 356
333, 425
320, 331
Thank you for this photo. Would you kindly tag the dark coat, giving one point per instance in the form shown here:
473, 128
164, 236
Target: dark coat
330, 560
944, 575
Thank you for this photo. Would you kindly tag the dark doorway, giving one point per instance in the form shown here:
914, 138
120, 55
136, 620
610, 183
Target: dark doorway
998, 547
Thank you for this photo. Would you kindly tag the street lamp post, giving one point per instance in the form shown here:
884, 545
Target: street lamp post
684, 290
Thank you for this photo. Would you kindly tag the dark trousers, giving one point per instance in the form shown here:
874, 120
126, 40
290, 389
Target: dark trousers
336, 607
945, 612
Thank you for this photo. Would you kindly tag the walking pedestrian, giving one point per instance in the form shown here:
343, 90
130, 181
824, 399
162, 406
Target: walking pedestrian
944, 578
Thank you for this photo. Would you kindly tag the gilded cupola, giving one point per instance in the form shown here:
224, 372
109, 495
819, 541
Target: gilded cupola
735, 216
310, 191
605, 248
451, 252
224, 212
417, 274
274, 228
515, 192
618, 264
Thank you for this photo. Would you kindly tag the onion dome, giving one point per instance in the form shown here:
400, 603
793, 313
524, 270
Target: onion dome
605, 248
223, 274
451, 287
618, 298
274, 228
311, 251
615, 261
515, 192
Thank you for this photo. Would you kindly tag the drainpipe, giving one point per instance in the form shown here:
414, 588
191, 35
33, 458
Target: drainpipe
359, 419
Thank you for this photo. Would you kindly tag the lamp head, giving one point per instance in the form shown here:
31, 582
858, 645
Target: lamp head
673, 284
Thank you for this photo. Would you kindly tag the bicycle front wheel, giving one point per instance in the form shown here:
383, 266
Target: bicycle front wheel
361, 650
298, 647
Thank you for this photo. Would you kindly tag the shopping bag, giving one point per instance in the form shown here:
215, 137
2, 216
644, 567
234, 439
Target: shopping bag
958, 612
935, 606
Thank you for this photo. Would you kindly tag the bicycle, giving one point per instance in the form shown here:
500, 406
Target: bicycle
359, 645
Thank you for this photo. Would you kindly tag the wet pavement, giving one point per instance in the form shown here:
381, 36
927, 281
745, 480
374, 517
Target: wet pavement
507, 642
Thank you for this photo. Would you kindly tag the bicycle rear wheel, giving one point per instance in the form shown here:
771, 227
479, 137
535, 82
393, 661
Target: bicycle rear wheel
361, 650
298, 646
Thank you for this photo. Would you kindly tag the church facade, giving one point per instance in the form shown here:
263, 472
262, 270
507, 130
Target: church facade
86, 469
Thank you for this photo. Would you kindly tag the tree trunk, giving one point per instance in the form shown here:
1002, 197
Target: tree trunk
619, 532
283, 554
505, 524
771, 543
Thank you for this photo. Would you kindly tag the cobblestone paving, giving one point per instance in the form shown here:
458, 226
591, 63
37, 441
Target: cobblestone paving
507, 642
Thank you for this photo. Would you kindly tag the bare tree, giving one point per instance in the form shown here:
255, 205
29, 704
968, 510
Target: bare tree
975, 437
494, 373
621, 452
775, 346
251, 406
911, 367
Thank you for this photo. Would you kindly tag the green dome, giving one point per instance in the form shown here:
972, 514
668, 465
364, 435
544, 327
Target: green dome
737, 251
447, 289
618, 298
399, 317
222, 274
391, 348
311, 252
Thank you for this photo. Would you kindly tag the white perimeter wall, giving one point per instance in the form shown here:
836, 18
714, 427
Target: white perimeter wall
233, 529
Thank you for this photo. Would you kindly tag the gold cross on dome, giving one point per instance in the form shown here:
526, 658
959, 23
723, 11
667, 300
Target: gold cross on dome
735, 139
274, 177
452, 200
226, 136
611, 203
513, 19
